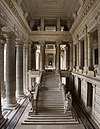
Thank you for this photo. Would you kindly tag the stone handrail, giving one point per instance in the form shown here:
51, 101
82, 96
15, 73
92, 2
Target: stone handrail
93, 80
34, 99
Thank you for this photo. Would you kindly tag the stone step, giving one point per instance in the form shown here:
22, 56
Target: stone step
63, 115
50, 123
48, 98
49, 114
50, 106
50, 120
50, 109
53, 117
51, 101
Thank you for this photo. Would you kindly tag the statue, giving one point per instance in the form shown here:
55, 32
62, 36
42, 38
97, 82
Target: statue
68, 102
32, 101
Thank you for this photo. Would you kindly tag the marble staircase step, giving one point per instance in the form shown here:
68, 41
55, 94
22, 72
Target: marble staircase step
69, 114
50, 123
52, 117
51, 120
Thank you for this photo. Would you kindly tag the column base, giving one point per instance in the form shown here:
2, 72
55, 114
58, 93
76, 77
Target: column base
90, 73
74, 70
85, 70
98, 76
11, 106
77, 68
20, 96
70, 69
2, 121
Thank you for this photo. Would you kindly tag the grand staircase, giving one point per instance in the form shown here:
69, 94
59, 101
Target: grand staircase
50, 107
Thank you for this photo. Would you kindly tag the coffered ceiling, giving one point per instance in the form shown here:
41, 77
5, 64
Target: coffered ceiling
50, 8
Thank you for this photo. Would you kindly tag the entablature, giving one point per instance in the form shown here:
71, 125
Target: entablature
10, 17
86, 18
51, 36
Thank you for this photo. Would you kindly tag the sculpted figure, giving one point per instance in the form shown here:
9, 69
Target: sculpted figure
32, 101
68, 102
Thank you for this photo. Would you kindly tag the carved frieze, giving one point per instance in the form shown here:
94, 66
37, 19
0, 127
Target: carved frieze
83, 12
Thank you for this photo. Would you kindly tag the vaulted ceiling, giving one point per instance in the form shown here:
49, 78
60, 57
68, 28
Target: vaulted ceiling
50, 8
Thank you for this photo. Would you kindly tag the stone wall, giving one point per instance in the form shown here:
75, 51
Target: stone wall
95, 110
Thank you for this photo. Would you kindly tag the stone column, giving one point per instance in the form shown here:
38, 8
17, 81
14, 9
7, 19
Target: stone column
58, 55
29, 53
2, 42
54, 61
42, 55
93, 99
77, 46
33, 57
90, 66
71, 55
37, 60
42, 24
80, 55
58, 24
10, 69
1, 63
85, 52
67, 60
65, 57
98, 70
5, 65
19, 69
25, 68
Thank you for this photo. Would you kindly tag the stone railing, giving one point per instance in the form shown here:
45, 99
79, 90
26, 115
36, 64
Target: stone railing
65, 73
33, 96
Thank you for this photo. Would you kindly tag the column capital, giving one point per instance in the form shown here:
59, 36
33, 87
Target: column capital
70, 44
30, 44
25, 45
34, 47
89, 34
8, 32
42, 42
19, 41
3, 40
58, 42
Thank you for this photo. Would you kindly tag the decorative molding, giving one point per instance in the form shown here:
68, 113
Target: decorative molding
85, 9
14, 20
51, 36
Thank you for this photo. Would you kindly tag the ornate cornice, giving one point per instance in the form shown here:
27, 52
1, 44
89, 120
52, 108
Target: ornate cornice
83, 12
11, 5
